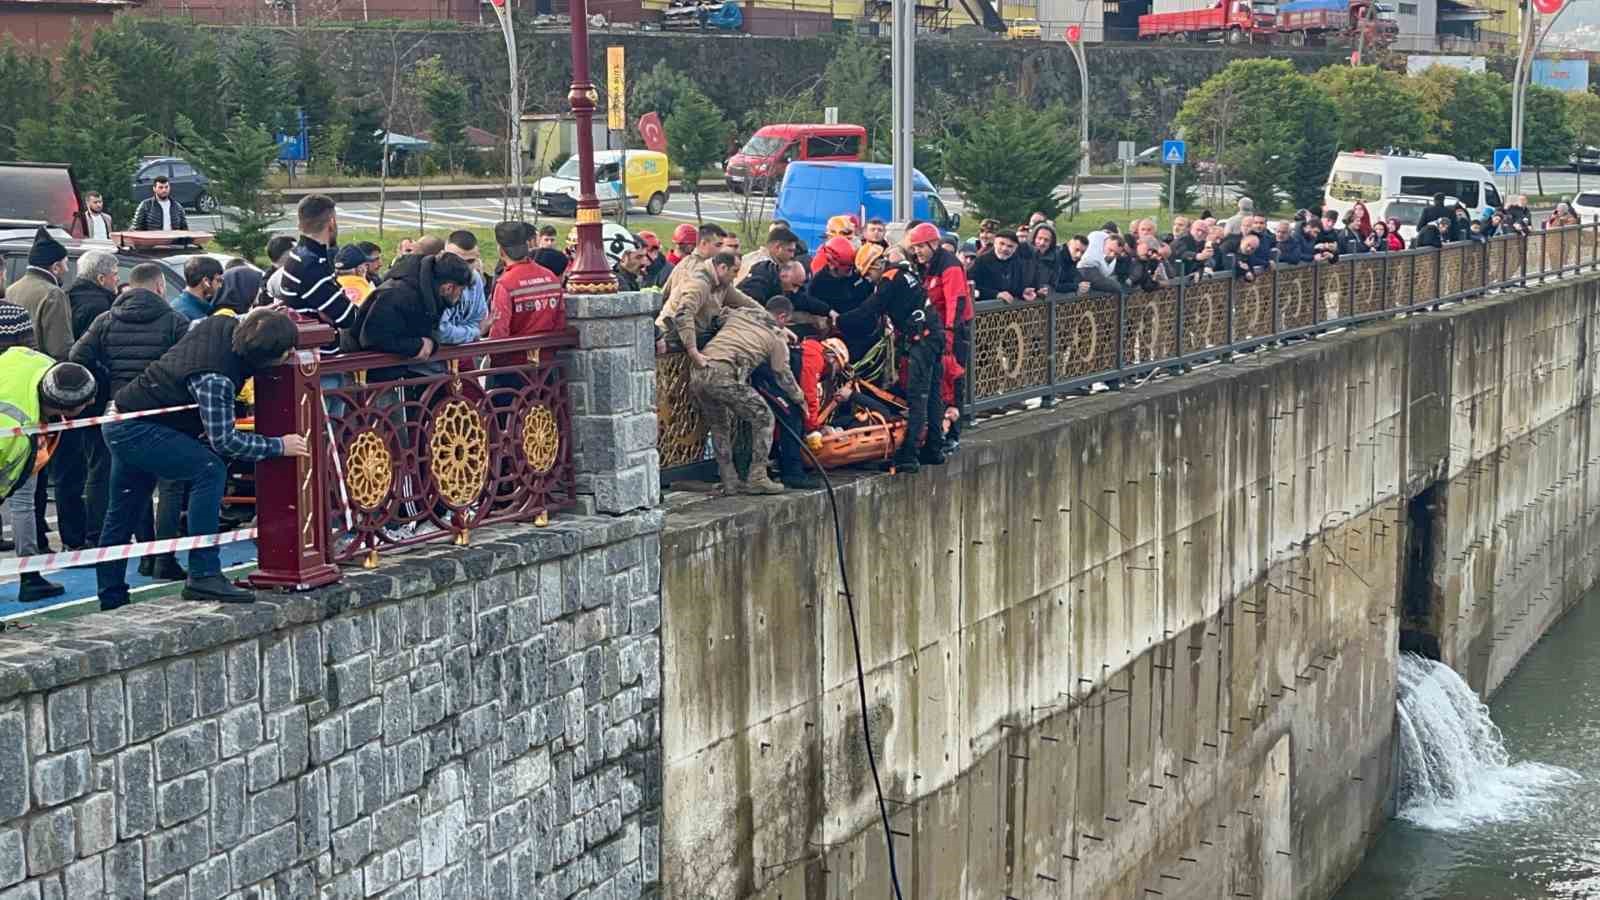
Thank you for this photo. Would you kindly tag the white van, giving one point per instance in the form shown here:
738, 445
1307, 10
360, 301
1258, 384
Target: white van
1379, 181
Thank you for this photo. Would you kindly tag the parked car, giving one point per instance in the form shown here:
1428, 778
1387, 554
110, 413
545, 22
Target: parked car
15, 244
814, 192
1585, 160
647, 183
1587, 206
190, 186
761, 162
34, 194
1024, 30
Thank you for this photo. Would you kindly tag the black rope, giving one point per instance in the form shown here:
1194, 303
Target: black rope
855, 635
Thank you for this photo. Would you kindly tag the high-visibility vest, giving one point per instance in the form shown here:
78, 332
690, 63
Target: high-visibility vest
21, 370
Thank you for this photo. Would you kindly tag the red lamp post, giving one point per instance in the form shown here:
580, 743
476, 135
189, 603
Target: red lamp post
590, 273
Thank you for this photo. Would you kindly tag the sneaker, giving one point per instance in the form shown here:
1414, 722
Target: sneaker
397, 533
216, 589
34, 588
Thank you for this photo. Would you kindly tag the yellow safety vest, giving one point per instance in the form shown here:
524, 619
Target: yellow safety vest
21, 370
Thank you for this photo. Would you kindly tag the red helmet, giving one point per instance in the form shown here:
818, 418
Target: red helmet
687, 234
840, 252
924, 233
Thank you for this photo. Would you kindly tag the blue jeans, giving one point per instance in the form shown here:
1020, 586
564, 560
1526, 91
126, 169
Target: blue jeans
141, 454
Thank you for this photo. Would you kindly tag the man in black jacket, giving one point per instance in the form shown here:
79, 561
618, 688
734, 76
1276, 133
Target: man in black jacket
1000, 273
402, 314
80, 467
159, 212
763, 282
206, 368
119, 345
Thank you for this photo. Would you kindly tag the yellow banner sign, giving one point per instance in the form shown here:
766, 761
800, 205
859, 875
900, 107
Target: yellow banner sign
616, 91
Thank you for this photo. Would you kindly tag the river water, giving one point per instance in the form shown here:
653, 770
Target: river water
1499, 802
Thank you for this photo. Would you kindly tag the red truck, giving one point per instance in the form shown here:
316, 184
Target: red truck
1298, 22
1233, 21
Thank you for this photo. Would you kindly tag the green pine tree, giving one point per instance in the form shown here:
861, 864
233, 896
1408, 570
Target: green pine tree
252, 85
1548, 136
91, 129
238, 162
1009, 160
697, 134
444, 95
856, 81
24, 91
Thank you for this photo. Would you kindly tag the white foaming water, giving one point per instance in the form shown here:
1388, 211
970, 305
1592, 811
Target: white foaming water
1454, 769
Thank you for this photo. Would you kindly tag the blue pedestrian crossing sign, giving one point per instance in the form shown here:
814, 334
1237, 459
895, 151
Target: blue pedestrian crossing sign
1174, 153
1508, 161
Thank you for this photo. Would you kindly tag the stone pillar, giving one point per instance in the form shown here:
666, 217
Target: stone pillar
611, 381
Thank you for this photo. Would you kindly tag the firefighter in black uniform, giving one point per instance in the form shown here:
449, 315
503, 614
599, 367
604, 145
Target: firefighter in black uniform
899, 294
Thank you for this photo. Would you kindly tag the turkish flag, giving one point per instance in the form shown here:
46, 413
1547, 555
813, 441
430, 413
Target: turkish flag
1548, 7
650, 130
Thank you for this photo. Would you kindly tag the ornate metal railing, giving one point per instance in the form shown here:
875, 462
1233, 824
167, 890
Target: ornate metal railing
1041, 348
406, 451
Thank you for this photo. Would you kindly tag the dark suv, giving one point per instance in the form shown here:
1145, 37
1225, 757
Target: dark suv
190, 186
15, 244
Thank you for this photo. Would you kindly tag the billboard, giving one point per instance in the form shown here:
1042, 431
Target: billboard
1562, 74
1416, 64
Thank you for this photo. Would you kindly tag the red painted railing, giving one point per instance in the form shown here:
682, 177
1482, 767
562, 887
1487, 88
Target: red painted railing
406, 451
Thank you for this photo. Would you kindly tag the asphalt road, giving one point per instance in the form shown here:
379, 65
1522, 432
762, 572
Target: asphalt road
720, 208
727, 208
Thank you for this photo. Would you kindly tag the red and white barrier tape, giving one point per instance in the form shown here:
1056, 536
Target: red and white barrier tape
73, 558
47, 427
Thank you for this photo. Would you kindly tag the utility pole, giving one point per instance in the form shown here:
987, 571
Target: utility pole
903, 65
590, 273
1527, 52
1074, 37
514, 127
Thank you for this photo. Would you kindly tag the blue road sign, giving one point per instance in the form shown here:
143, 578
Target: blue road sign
1174, 153
1507, 161
295, 147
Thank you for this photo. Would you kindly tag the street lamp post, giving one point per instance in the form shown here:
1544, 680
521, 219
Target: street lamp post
1074, 37
590, 274
503, 13
1527, 52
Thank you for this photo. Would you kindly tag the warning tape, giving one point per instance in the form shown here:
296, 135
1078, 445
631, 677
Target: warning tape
68, 425
73, 558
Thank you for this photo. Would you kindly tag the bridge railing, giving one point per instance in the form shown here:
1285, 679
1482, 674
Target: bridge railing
1063, 343
407, 451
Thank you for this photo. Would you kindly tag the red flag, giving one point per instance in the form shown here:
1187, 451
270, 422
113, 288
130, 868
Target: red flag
650, 129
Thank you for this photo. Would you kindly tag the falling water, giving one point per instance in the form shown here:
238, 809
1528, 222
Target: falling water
1478, 820
1454, 768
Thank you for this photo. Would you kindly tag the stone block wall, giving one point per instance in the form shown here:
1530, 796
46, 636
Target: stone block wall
461, 723
611, 382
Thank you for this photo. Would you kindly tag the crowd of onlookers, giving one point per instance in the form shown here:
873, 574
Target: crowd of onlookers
1030, 261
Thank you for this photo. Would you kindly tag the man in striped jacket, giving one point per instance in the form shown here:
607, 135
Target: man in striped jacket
308, 282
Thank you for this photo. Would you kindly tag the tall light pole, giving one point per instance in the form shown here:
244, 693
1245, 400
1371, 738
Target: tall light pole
1527, 51
514, 130
1075, 44
903, 65
590, 274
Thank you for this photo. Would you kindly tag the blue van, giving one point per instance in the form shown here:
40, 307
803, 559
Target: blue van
814, 192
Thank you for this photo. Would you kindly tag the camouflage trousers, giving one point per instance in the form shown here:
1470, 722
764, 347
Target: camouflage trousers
726, 398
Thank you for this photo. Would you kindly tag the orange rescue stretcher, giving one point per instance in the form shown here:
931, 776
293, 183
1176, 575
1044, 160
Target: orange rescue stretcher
874, 437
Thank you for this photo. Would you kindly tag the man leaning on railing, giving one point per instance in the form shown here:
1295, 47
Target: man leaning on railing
206, 367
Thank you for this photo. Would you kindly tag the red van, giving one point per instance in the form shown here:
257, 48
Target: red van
760, 163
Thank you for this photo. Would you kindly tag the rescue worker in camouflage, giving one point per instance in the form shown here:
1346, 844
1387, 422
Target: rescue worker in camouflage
688, 317
721, 389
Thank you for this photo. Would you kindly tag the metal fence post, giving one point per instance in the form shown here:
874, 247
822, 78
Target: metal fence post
1232, 293
1177, 337
1122, 330
291, 492
1277, 313
1052, 370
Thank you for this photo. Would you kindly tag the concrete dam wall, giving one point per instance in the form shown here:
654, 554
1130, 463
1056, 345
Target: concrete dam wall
1140, 645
